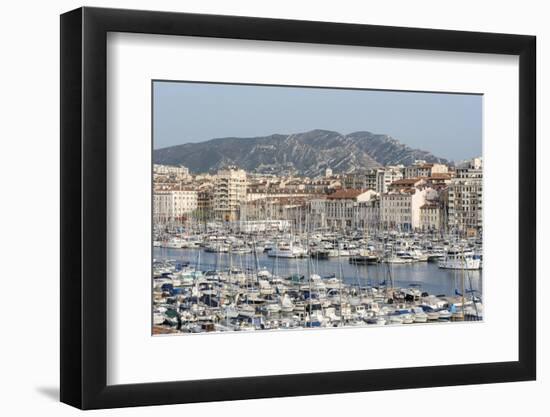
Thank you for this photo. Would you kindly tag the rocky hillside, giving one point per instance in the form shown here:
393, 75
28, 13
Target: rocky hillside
308, 153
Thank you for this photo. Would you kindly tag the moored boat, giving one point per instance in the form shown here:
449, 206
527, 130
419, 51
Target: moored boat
459, 259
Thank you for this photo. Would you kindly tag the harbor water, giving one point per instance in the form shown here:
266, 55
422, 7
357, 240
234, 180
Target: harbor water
426, 276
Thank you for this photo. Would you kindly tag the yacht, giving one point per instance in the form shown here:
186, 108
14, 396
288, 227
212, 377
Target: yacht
239, 250
436, 254
217, 248
420, 316
287, 250
459, 259
174, 244
397, 259
444, 315
417, 255
363, 258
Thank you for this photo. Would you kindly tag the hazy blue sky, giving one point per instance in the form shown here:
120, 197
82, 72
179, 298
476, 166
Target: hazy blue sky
448, 125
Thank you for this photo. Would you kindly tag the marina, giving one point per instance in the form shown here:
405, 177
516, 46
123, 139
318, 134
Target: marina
312, 228
248, 282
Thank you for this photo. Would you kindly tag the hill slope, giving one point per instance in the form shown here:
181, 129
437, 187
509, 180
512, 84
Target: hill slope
308, 153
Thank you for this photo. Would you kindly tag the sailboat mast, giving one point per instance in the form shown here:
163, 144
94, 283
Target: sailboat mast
309, 281
462, 292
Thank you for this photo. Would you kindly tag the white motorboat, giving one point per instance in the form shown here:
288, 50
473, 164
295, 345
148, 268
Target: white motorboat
417, 255
273, 308
436, 254
265, 287
459, 259
398, 260
264, 273
396, 320
240, 250
217, 248
407, 318
174, 244
316, 282
287, 306
287, 250
158, 318
433, 315
445, 315
419, 315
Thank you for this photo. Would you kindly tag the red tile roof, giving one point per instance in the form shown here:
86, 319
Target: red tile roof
439, 175
345, 194
406, 181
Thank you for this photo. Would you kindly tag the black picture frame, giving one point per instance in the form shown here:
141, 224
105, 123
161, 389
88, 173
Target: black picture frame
84, 207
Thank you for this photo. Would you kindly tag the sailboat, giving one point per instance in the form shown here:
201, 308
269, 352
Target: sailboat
287, 306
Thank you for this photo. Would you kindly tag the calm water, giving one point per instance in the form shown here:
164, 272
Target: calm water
430, 278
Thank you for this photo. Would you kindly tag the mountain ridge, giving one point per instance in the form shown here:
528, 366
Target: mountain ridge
307, 153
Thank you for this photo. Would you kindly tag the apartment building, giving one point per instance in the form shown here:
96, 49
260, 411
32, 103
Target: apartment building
465, 198
229, 192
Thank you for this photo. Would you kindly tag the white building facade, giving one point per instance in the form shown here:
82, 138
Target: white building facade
385, 176
401, 209
342, 207
229, 192
173, 205
176, 172
368, 214
431, 217
421, 169
466, 198
361, 180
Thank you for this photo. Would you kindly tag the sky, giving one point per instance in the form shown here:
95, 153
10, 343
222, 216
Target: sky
447, 125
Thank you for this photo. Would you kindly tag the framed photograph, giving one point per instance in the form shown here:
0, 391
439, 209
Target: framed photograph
258, 208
